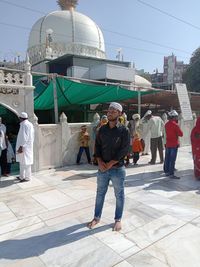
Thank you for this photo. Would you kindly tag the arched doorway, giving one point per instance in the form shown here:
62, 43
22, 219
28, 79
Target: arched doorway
11, 121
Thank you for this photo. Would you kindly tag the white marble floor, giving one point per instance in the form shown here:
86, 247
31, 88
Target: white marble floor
43, 222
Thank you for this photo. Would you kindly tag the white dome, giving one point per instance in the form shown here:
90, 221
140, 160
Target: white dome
71, 33
142, 82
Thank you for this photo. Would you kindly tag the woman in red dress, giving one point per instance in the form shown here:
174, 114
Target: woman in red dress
195, 141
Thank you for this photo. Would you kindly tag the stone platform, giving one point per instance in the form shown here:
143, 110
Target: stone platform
43, 222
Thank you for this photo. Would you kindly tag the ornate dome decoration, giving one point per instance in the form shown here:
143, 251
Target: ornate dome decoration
67, 4
65, 32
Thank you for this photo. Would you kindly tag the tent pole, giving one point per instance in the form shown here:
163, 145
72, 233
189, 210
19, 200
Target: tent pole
139, 101
55, 99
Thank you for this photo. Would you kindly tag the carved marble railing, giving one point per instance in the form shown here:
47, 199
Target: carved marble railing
11, 77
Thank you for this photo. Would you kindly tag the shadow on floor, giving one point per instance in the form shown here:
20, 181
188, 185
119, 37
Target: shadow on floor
37, 245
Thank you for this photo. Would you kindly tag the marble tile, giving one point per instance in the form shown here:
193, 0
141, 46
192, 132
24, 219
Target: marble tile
154, 230
182, 212
123, 264
83, 215
89, 256
161, 190
144, 259
18, 224
118, 243
22, 231
196, 222
25, 207
53, 199
6, 215
34, 182
180, 249
79, 193
153, 200
190, 199
51, 214
143, 214
32, 262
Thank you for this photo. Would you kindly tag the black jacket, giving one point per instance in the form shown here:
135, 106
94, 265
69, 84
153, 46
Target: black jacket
112, 143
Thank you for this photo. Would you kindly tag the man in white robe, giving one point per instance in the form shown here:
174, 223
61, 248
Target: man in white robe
3, 149
24, 147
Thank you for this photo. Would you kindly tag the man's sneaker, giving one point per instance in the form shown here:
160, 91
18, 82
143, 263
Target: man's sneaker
24, 180
174, 177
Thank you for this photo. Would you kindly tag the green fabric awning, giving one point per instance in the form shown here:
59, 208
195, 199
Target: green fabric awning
70, 92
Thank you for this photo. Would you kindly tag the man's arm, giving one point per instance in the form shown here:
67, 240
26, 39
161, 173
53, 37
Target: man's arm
125, 144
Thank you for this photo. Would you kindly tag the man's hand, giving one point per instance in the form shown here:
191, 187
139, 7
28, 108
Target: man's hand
110, 164
20, 149
102, 165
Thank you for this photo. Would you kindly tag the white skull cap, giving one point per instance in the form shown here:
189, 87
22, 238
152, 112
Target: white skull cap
173, 113
136, 116
149, 112
23, 115
116, 106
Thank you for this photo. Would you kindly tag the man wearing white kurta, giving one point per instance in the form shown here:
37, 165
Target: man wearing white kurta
3, 149
24, 147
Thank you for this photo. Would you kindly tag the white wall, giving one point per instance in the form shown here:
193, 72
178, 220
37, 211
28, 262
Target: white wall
56, 145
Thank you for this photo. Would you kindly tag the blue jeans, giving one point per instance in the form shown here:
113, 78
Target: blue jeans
80, 152
170, 159
117, 176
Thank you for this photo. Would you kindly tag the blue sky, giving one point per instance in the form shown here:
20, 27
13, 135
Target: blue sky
122, 23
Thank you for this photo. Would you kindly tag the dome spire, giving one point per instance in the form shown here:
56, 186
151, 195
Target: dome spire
67, 4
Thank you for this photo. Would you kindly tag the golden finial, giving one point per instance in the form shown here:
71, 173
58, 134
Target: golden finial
67, 4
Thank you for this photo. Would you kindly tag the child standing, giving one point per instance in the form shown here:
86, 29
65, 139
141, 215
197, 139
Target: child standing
84, 144
137, 148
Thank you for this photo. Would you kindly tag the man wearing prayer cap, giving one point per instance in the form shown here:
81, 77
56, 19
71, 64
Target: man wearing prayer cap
172, 133
111, 147
23, 115
173, 113
156, 128
24, 147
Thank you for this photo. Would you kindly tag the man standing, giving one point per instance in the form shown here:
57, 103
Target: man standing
172, 131
156, 128
3, 149
24, 147
111, 146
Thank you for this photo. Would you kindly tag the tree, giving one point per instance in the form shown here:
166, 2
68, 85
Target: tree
192, 75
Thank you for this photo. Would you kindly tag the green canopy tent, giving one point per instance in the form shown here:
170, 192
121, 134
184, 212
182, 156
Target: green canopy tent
69, 92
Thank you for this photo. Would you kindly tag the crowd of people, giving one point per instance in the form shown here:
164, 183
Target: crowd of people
115, 146
116, 142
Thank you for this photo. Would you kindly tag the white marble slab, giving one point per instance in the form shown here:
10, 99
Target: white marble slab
19, 224
53, 199
144, 259
180, 249
79, 193
6, 215
32, 262
34, 182
87, 256
118, 243
154, 230
25, 207
153, 200
51, 214
182, 212
22, 231
123, 264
